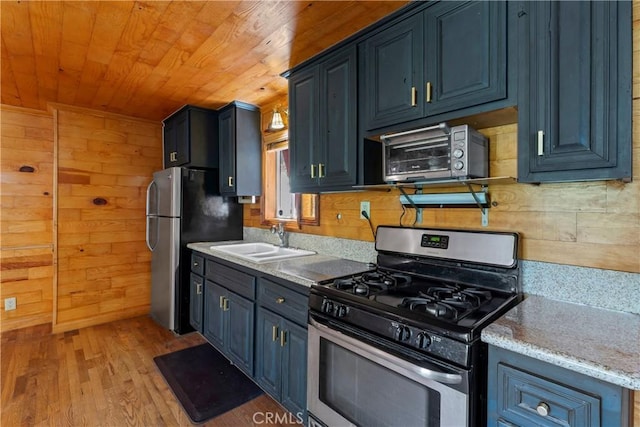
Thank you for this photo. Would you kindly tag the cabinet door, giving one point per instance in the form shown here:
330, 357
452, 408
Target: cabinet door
294, 368
303, 130
176, 140
169, 140
227, 125
213, 319
239, 339
268, 364
393, 74
575, 92
196, 299
337, 148
465, 55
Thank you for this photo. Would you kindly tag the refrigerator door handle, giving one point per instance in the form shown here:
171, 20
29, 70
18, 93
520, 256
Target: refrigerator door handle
147, 235
149, 197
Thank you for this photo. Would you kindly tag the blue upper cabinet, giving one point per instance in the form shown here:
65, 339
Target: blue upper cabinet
574, 91
393, 73
190, 138
240, 150
323, 120
465, 55
448, 61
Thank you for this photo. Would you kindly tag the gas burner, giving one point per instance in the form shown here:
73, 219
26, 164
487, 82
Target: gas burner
345, 284
371, 282
378, 278
431, 306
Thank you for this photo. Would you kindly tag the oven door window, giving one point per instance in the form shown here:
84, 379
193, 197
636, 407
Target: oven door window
368, 394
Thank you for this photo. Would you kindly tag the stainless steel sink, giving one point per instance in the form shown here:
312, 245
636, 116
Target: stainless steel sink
260, 252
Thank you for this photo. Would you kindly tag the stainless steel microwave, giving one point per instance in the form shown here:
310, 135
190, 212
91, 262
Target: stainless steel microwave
435, 152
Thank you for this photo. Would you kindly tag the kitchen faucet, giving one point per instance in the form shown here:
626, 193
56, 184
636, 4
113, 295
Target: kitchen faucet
282, 234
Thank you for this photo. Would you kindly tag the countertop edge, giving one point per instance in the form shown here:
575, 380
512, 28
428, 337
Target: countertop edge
300, 270
599, 343
588, 368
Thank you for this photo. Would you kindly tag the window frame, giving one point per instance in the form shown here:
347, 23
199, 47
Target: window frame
307, 205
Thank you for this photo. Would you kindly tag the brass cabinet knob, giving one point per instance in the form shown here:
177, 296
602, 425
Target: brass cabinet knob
280, 300
543, 409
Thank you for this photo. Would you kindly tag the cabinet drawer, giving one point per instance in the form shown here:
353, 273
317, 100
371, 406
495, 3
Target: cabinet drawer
284, 301
531, 400
197, 264
241, 283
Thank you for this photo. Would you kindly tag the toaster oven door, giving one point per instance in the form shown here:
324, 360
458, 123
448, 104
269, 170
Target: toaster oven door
418, 154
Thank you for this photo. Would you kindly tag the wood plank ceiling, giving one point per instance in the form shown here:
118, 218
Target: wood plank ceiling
148, 58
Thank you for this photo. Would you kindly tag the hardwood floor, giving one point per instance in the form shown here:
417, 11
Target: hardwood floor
104, 376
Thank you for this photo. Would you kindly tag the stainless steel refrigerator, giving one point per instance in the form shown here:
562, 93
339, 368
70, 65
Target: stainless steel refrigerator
183, 206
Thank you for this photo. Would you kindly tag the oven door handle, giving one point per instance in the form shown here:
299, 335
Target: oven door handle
386, 358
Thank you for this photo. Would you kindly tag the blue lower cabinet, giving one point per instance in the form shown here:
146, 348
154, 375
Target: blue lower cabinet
229, 323
294, 368
523, 391
268, 350
196, 301
259, 324
281, 360
213, 323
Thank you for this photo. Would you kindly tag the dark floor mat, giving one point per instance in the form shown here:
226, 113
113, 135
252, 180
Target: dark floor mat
204, 381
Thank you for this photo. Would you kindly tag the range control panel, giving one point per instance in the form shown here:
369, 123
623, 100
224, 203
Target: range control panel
434, 241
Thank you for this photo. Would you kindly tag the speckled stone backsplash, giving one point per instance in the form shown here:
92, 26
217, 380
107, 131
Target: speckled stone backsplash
356, 250
614, 290
608, 289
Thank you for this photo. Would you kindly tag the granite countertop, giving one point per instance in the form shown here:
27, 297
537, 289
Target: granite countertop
600, 343
305, 270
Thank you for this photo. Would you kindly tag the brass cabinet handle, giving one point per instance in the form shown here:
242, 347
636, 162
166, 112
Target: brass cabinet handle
198, 288
414, 96
428, 91
195, 263
274, 333
540, 143
283, 338
313, 170
222, 302
320, 170
280, 300
173, 156
226, 305
230, 181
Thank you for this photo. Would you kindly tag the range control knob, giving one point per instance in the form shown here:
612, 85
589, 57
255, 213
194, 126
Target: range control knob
402, 333
458, 153
341, 311
327, 306
458, 165
423, 340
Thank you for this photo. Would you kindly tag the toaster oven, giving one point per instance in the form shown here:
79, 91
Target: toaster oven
435, 152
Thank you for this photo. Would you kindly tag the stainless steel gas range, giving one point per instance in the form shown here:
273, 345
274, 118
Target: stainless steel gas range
400, 345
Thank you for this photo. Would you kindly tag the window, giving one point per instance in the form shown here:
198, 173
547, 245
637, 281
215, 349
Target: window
278, 203
285, 199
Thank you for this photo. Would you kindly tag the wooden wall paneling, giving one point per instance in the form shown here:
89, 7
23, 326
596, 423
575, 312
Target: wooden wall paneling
103, 265
26, 216
636, 408
591, 224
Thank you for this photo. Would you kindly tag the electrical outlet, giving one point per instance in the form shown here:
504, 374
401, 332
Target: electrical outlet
365, 206
9, 304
